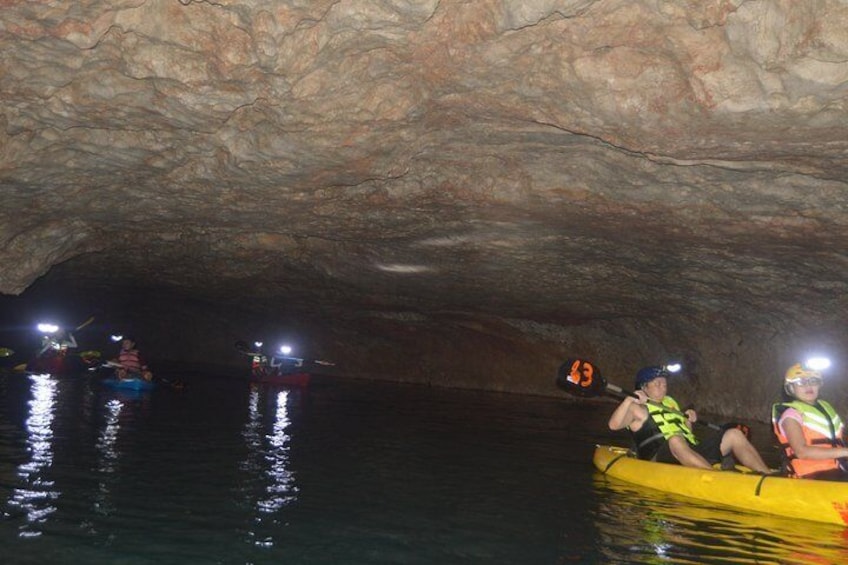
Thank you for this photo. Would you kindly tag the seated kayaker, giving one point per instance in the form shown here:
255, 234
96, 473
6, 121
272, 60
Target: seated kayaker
58, 344
131, 364
809, 430
664, 434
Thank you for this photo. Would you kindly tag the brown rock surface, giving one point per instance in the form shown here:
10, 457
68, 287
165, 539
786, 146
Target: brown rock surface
461, 193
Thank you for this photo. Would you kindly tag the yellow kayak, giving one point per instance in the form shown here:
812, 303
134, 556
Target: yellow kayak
819, 501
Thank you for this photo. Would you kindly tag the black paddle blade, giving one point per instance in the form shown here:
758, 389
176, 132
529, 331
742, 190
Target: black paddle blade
242, 346
581, 378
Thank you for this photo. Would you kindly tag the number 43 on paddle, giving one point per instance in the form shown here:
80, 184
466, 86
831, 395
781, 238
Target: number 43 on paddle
581, 378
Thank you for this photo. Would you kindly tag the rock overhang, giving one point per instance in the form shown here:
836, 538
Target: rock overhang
665, 177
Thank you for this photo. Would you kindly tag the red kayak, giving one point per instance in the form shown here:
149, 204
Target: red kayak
276, 377
278, 370
58, 365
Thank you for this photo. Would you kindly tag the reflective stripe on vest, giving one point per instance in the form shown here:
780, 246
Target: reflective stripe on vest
670, 423
821, 426
130, 360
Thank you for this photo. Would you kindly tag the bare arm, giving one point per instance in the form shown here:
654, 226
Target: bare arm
795, 436
46, 345
630, 413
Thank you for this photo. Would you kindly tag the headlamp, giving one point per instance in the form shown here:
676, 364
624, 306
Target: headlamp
817, 363
672, 367
48, 328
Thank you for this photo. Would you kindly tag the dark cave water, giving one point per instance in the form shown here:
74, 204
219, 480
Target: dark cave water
342, 472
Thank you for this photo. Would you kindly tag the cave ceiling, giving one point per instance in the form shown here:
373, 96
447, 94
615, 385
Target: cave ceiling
557, 161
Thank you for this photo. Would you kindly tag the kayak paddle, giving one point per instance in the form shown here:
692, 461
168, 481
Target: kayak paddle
581, 378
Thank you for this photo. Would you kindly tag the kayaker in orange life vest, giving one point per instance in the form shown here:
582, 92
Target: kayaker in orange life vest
809, 430
132, 366
666, 436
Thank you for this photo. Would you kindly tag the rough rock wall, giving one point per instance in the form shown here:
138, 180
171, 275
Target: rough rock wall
667, 174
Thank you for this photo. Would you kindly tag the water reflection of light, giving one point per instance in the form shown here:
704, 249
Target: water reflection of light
252, 430
280, 489
106, 441
108, 455
35, 497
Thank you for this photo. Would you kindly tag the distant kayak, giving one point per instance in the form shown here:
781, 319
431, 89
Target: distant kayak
279, 370
819, 501
129, 384
61, 365
280, 378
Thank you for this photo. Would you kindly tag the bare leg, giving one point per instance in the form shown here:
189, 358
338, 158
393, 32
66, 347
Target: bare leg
735, 441
685, 454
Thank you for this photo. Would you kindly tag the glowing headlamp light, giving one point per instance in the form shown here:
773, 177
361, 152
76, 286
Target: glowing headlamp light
817, 363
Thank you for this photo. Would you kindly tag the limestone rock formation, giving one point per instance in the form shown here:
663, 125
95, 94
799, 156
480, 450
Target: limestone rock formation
454, 192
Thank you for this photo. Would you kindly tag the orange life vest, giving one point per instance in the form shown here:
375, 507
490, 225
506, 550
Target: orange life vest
130, 359
822, 427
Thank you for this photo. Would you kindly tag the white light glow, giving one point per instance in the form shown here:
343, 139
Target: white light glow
268, 454
48, 328
399, 268
673, 367
108, 456
281, 490
109, 435
817, 363
285, 349
35, 497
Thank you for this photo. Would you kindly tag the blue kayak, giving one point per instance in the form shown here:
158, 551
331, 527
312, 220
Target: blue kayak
129, 384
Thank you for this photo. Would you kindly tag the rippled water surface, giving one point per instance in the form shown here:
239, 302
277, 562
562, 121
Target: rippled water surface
342, 472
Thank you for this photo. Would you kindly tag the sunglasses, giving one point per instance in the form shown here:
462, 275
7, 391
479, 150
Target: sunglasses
811, 381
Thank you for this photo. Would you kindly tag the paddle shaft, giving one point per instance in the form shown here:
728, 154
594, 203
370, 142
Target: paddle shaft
84, 324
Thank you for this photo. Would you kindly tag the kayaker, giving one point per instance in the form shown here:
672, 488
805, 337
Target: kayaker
664, 434
57, 344
809, 430
53, 355
131, 364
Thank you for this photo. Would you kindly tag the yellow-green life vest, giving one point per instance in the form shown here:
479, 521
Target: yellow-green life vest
669, 421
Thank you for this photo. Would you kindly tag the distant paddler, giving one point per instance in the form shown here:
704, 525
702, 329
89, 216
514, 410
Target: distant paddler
129, 364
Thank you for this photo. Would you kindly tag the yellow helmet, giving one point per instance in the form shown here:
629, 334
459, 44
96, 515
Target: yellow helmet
797, 372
